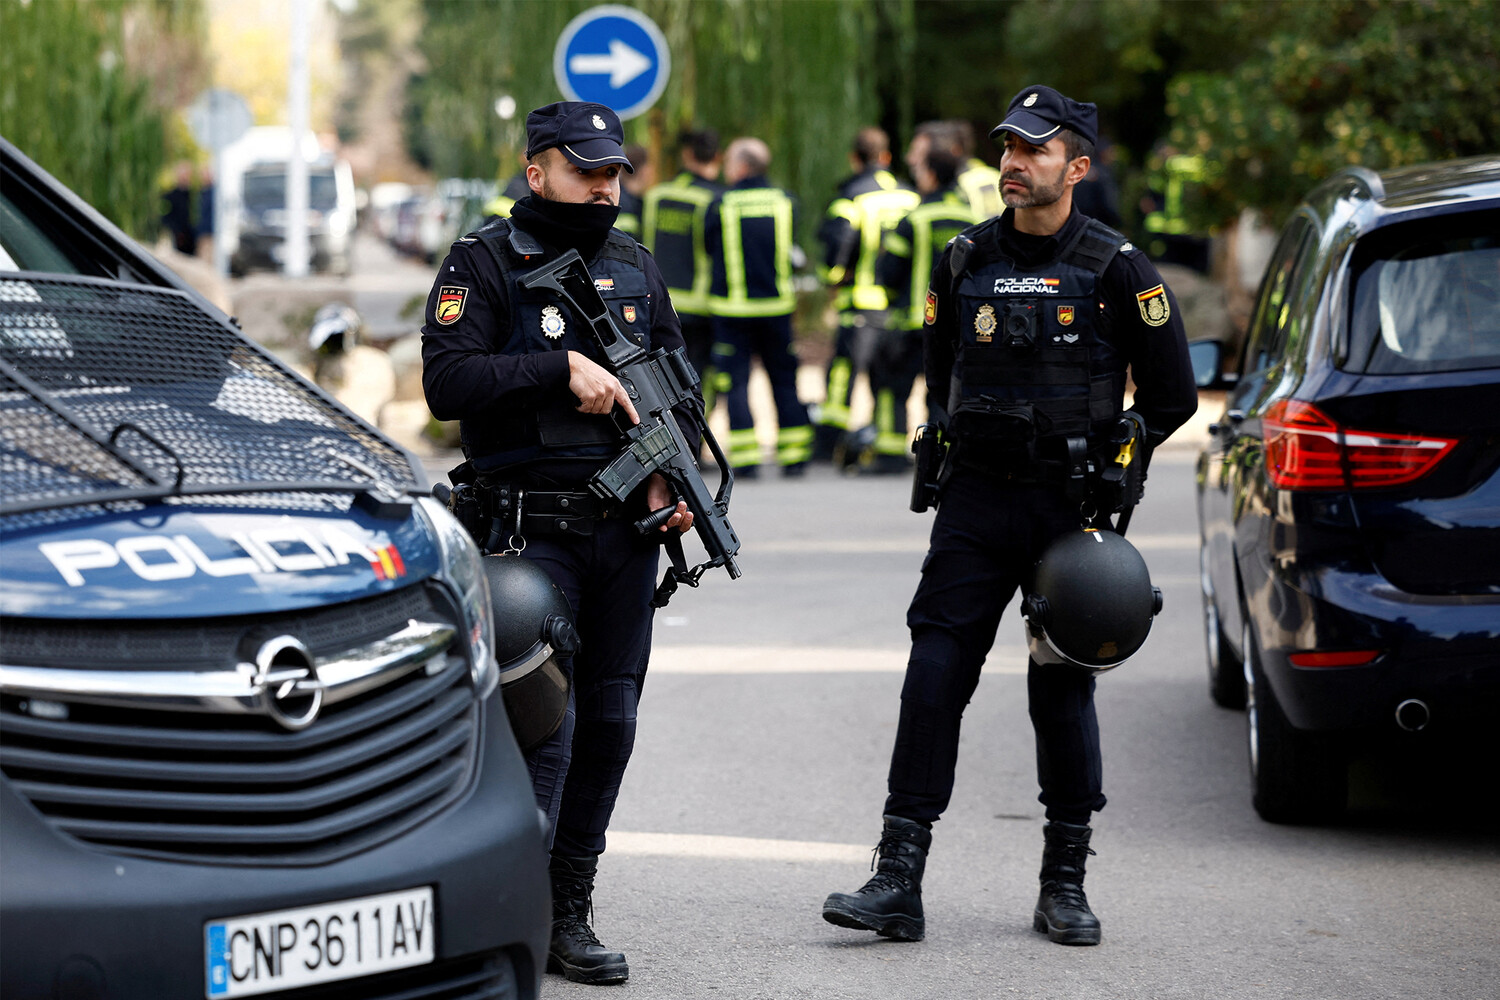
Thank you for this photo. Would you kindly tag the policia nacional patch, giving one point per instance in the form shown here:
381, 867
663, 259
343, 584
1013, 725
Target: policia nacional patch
1155, 309
450, 303
929, 311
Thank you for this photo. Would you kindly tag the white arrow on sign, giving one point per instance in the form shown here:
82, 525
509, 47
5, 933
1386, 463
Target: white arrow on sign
623, 64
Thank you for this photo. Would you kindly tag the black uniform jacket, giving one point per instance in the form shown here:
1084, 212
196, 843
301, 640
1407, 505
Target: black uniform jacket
1165, 392
466, 378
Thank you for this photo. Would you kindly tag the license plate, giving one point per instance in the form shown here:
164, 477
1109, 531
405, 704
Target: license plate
285, 949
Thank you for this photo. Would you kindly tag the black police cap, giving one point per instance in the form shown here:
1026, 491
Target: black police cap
589, 135
1037, 113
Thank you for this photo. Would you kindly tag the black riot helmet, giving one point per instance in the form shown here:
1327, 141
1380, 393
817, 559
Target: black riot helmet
533, 627
1091, 602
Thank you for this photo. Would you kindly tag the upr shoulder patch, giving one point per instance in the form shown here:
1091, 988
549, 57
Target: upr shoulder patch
1155, 310
450, 303
929, 311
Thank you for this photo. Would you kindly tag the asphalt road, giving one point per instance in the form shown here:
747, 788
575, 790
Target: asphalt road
759, 774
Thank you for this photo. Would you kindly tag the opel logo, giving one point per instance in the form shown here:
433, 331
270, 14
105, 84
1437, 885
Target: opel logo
286, 683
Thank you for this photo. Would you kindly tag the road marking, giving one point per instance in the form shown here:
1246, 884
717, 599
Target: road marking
696, 845
800, 660
1175, 541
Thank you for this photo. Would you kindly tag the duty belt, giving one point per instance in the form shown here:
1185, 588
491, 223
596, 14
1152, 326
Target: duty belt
547, 512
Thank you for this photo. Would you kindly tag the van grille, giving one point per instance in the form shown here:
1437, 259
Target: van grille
239, 789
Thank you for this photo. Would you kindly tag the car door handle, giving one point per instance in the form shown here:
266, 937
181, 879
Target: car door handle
1232, 419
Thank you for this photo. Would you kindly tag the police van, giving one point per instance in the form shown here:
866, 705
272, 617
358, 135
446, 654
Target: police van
251, 741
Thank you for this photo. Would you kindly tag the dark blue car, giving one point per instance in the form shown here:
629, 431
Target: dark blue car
251, 741
1349, 496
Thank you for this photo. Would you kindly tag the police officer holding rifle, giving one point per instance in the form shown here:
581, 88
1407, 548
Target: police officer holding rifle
1030, 322
525, 370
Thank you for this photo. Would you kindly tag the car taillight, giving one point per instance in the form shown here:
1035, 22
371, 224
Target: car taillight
1336, 658
1307, 450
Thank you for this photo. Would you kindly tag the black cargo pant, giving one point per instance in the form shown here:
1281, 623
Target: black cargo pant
986, 538
608, 579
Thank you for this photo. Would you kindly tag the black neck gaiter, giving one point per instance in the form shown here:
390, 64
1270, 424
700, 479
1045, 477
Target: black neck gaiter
566, 225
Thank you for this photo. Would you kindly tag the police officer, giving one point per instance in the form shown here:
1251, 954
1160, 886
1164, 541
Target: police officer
748, 231
1031, 321
867, 206
902, 269
672, 229
978, 183
516, 369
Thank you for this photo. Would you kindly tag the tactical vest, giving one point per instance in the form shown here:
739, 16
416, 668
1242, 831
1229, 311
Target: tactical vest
539, 323
672, 227
1033, 369
752, 221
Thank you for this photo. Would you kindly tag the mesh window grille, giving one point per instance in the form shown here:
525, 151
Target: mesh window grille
109, 390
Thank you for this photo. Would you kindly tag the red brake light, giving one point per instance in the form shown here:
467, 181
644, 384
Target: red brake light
1341, 658
1307, 450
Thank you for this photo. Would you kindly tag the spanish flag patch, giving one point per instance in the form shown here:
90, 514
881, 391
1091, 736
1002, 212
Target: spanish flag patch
929, 311
1154, 307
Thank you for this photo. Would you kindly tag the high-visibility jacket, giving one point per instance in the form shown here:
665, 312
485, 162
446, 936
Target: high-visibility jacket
867, 207
980, 185
911, 248
672, 229
748, 230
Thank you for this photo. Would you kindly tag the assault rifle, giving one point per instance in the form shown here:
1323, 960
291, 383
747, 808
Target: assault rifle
655, 383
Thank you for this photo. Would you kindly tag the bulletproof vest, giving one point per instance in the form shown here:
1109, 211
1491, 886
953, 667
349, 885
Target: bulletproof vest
672, 226
540, 322
1033, 367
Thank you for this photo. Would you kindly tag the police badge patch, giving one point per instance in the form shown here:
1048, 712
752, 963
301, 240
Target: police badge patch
553, 323
629, 313
1065, 315
929, 311
1154, 307
984, 324
450, 303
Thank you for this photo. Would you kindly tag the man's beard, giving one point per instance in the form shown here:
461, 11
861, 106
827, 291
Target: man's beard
1036, 196
551, 194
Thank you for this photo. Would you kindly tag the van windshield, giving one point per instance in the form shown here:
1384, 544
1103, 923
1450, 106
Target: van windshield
264, 189
1427, 298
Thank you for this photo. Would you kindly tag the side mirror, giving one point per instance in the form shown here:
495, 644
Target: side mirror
1206, 356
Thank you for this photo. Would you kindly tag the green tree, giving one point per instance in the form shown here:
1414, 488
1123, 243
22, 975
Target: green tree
1381, 83
71, 99
804, 76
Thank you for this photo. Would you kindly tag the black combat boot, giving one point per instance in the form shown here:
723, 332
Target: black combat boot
890, 904
1062, 910
575, 951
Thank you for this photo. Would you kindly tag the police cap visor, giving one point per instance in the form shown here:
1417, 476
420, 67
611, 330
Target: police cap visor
1038, 113
589, 135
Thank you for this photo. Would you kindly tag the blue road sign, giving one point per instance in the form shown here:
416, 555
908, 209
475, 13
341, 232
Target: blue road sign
612, 55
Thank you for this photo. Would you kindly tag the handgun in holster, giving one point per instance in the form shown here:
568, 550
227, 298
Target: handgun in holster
1121, 482
930, 446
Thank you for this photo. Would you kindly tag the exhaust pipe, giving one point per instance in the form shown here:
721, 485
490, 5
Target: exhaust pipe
1413, 715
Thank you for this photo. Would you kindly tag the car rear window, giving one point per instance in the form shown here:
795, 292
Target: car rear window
1427, 297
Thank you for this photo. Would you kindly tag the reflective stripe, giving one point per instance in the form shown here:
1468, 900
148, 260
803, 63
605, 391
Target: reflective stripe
951, 209
693, 198
794, 444
735, 208
878, 212
980, 184
744, 449
834, 412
